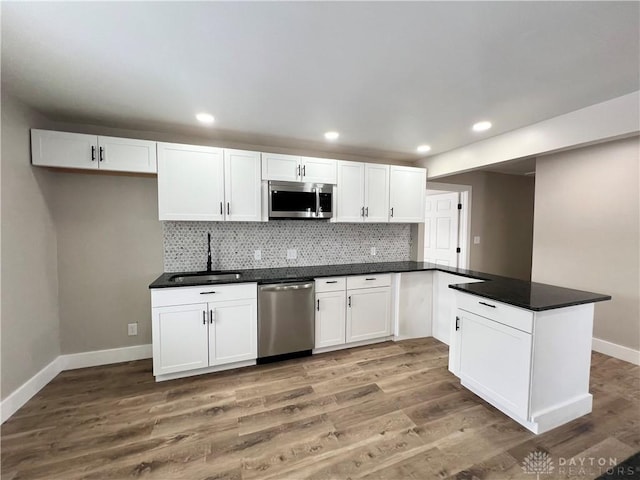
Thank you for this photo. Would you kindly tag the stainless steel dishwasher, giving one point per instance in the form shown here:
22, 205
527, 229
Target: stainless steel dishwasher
286, 320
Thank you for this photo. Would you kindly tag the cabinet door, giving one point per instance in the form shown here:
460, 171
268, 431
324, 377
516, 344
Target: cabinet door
368, 313
62, 149
376, 193
190, 182
496, 360
330, 318
407, 192
179, 338
242, 186
233, 331
318, 170
350, 192
276, 166
126, 155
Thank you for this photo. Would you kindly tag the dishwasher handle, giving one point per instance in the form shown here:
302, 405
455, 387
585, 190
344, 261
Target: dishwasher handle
286, 287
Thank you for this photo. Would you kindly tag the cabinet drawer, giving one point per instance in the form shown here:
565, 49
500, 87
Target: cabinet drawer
498, 312
161, 297
330, 284
369, 281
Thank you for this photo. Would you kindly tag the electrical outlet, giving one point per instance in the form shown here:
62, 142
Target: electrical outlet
292, 254
132, 329
257, 255
476, 240
373, 250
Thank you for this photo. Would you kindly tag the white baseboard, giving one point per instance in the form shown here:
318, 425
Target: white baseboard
618, 351
105, 357
26, 391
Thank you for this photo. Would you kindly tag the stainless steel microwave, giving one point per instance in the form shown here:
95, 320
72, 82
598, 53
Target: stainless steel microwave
300, 200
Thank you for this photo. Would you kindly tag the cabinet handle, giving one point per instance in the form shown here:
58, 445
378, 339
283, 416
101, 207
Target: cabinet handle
211, 317
332, 281
318, 307
372, 278
362, 212
366, 212
93, 153
102, 154
304, 170
207, 293
228, 208
487, 304
298, 171
204, 317
457, 323
349, 301
221, 212
392, 211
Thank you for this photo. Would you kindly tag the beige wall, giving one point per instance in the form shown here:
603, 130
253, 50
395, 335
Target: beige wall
109, 250
586, 231
30, 326
502, 216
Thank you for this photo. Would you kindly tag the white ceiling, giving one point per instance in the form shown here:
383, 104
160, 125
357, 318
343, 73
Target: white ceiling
388, 76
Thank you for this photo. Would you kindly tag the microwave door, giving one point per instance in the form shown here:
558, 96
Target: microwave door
292, 204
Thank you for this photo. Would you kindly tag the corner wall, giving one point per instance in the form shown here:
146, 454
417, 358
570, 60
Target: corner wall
586, 231
30, 321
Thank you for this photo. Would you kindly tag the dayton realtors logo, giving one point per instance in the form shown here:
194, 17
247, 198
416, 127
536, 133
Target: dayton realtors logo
537, 463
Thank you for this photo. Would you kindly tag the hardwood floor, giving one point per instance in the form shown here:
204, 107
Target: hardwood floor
387, 411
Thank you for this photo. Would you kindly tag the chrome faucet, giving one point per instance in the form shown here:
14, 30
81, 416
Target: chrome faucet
209, 252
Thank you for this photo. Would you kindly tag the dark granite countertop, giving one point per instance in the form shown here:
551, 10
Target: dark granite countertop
520, 293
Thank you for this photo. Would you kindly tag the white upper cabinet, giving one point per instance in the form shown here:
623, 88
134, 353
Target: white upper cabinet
242, 186
126, 155
407, 192
208, 184
92, 152
190, 182
362, 193
293, 168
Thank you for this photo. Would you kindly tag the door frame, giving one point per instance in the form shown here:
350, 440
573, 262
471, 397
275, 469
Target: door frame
464, 225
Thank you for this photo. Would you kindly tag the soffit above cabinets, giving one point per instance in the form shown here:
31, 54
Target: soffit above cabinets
388, 76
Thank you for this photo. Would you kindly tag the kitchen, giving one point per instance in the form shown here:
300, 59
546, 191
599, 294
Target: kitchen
100, 244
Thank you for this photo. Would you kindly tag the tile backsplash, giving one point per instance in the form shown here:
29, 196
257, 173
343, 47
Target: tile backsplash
316, 243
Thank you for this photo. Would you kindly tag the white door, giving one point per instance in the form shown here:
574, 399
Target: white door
242, 186
233, 331
407, 189
180, 339
368, 313
441, 229
330, 318
62, 149
376, 193
484, 346
190, 182
319, 170
277, 166
126, 155
350, 192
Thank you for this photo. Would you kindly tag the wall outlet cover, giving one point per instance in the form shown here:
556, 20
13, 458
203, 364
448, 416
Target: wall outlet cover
257, 255
132, 329
476, 240
292, 254
373, 250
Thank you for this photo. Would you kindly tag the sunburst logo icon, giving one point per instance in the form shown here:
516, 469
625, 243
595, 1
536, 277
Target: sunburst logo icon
537, 462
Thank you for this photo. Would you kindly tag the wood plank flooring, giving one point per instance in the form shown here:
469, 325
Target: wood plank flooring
386, 411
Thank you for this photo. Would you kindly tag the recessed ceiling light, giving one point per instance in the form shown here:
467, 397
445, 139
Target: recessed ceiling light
205, 118
331, 135
481, 126
423, 148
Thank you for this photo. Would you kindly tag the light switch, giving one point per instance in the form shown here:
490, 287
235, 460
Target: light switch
476, 240
132, 329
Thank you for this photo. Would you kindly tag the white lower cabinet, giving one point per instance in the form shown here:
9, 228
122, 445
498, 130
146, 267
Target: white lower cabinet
368, 313
352, 309
205, 336
533, 366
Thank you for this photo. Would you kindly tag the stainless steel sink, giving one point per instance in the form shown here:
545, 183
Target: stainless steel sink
204, 277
